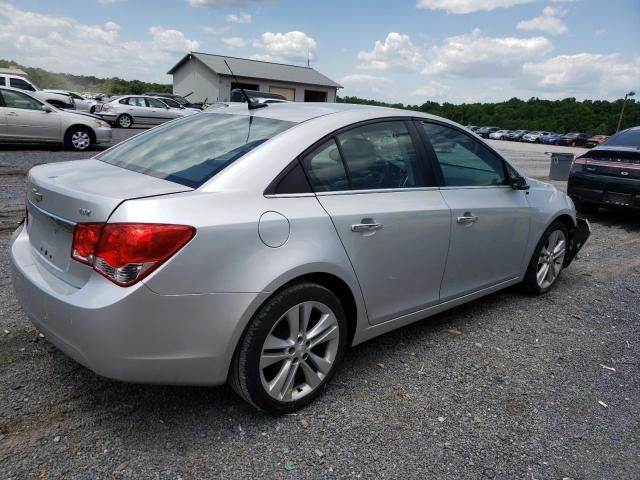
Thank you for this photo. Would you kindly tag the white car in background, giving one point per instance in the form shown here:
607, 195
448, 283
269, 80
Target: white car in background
124, 111
82, 103
26, 119
499, 135
60, 100
534, 137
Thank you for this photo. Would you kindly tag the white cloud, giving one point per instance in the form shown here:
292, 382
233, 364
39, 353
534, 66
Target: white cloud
46, 40
236, 42
431, 89
110, 2
587, 75
365, 85
285, 47
467, 6
169, 40
476, 55
216, 30
242, 18
218, 3
550, 22
397, 51
362, 78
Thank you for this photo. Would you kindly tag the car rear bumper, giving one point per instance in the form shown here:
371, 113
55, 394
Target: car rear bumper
603, 190
132, 334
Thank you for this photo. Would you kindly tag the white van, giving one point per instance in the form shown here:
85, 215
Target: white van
56, 99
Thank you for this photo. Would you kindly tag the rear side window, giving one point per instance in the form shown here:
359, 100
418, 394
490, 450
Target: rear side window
193, 149
155, 103
21, 84
380, 156
627, 138
463, 160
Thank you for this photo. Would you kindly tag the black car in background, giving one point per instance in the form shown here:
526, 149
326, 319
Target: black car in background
608, 175
516, 135
181, 100
485, 131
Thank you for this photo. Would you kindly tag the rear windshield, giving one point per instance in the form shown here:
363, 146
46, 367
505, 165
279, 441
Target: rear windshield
191, 150
628, 138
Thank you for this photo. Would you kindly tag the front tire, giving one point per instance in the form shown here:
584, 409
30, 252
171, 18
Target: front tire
78, 138
291, 349
124, 121
547, 261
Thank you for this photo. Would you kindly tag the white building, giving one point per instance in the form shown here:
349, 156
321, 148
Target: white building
209, 79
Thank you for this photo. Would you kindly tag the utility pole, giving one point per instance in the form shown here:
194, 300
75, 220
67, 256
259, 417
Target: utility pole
626, 95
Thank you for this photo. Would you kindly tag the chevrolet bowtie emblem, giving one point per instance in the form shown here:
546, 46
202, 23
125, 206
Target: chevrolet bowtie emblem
36, 196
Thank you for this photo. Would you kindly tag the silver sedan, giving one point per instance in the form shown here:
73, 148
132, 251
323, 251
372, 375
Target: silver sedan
123, 112
254, 246
26, 119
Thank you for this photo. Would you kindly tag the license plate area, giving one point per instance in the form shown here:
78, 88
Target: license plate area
50, 238
623, 199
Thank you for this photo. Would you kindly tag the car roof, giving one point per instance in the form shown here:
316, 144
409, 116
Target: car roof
300, 112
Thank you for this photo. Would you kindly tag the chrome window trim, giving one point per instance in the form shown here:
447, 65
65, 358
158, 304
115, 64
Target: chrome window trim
289, 195
380, 190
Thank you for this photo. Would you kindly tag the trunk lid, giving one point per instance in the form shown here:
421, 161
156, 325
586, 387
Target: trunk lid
62, 194
619, 162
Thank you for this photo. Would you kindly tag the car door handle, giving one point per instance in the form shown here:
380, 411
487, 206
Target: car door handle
12, 114
368, 225
467, 218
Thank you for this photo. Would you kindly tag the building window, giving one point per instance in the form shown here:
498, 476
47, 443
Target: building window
315, 96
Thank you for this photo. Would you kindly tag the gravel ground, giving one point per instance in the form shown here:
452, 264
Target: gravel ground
506, 387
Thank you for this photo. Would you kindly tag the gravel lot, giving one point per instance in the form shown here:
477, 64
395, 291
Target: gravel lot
505, 387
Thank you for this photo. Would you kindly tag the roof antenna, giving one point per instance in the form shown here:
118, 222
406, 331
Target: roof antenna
308, 59
250, 103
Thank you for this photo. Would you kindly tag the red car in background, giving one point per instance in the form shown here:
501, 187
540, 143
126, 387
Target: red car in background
574, 139
595, 140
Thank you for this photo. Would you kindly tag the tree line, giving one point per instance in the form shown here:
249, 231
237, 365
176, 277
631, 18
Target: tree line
82, 83
561, 116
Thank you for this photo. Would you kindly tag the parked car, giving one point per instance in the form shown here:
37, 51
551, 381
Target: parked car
608, 175
516, 135
595, 140
473, 128
125, 111
574, 139
484, 132
174, 104
28, 119
21, 83
195, 264
82, 104
550, 138
534, 137
499, 134
177, 98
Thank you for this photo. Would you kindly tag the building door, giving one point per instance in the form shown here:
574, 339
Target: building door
315, 96
288, 93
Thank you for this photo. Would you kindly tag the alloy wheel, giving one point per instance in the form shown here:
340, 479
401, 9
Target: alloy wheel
80, 140
551, 259
299, 351
124, 121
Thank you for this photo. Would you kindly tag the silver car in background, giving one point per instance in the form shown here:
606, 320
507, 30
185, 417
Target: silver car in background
254, 246
124, 111
82, 104
26, 119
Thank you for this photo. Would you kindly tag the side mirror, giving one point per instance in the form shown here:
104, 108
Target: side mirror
519, 183
46, 108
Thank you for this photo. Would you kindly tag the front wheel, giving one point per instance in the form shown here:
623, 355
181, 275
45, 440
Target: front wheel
291, 349
548, 260
78, 138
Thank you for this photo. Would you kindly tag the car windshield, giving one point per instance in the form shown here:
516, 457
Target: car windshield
192, 150
628, 138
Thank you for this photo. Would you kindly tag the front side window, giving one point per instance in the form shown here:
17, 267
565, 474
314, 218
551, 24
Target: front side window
21, 84
2, 82
325, 168
380, 156
193, 149
20, 100
155, 103
464, 161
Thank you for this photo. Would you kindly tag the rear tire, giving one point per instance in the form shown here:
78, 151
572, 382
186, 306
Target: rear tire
547, 261
585, 207
291, 349
124, 121
79, 138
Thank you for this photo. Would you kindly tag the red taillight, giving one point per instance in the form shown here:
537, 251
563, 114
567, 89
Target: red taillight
85, 239
127, 252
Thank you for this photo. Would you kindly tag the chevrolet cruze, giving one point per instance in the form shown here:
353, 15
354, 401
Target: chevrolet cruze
254, 246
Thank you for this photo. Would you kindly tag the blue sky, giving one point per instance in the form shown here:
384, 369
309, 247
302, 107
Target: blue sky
409, 51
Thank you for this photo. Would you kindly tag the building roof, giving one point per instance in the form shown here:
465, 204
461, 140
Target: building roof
246, 68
